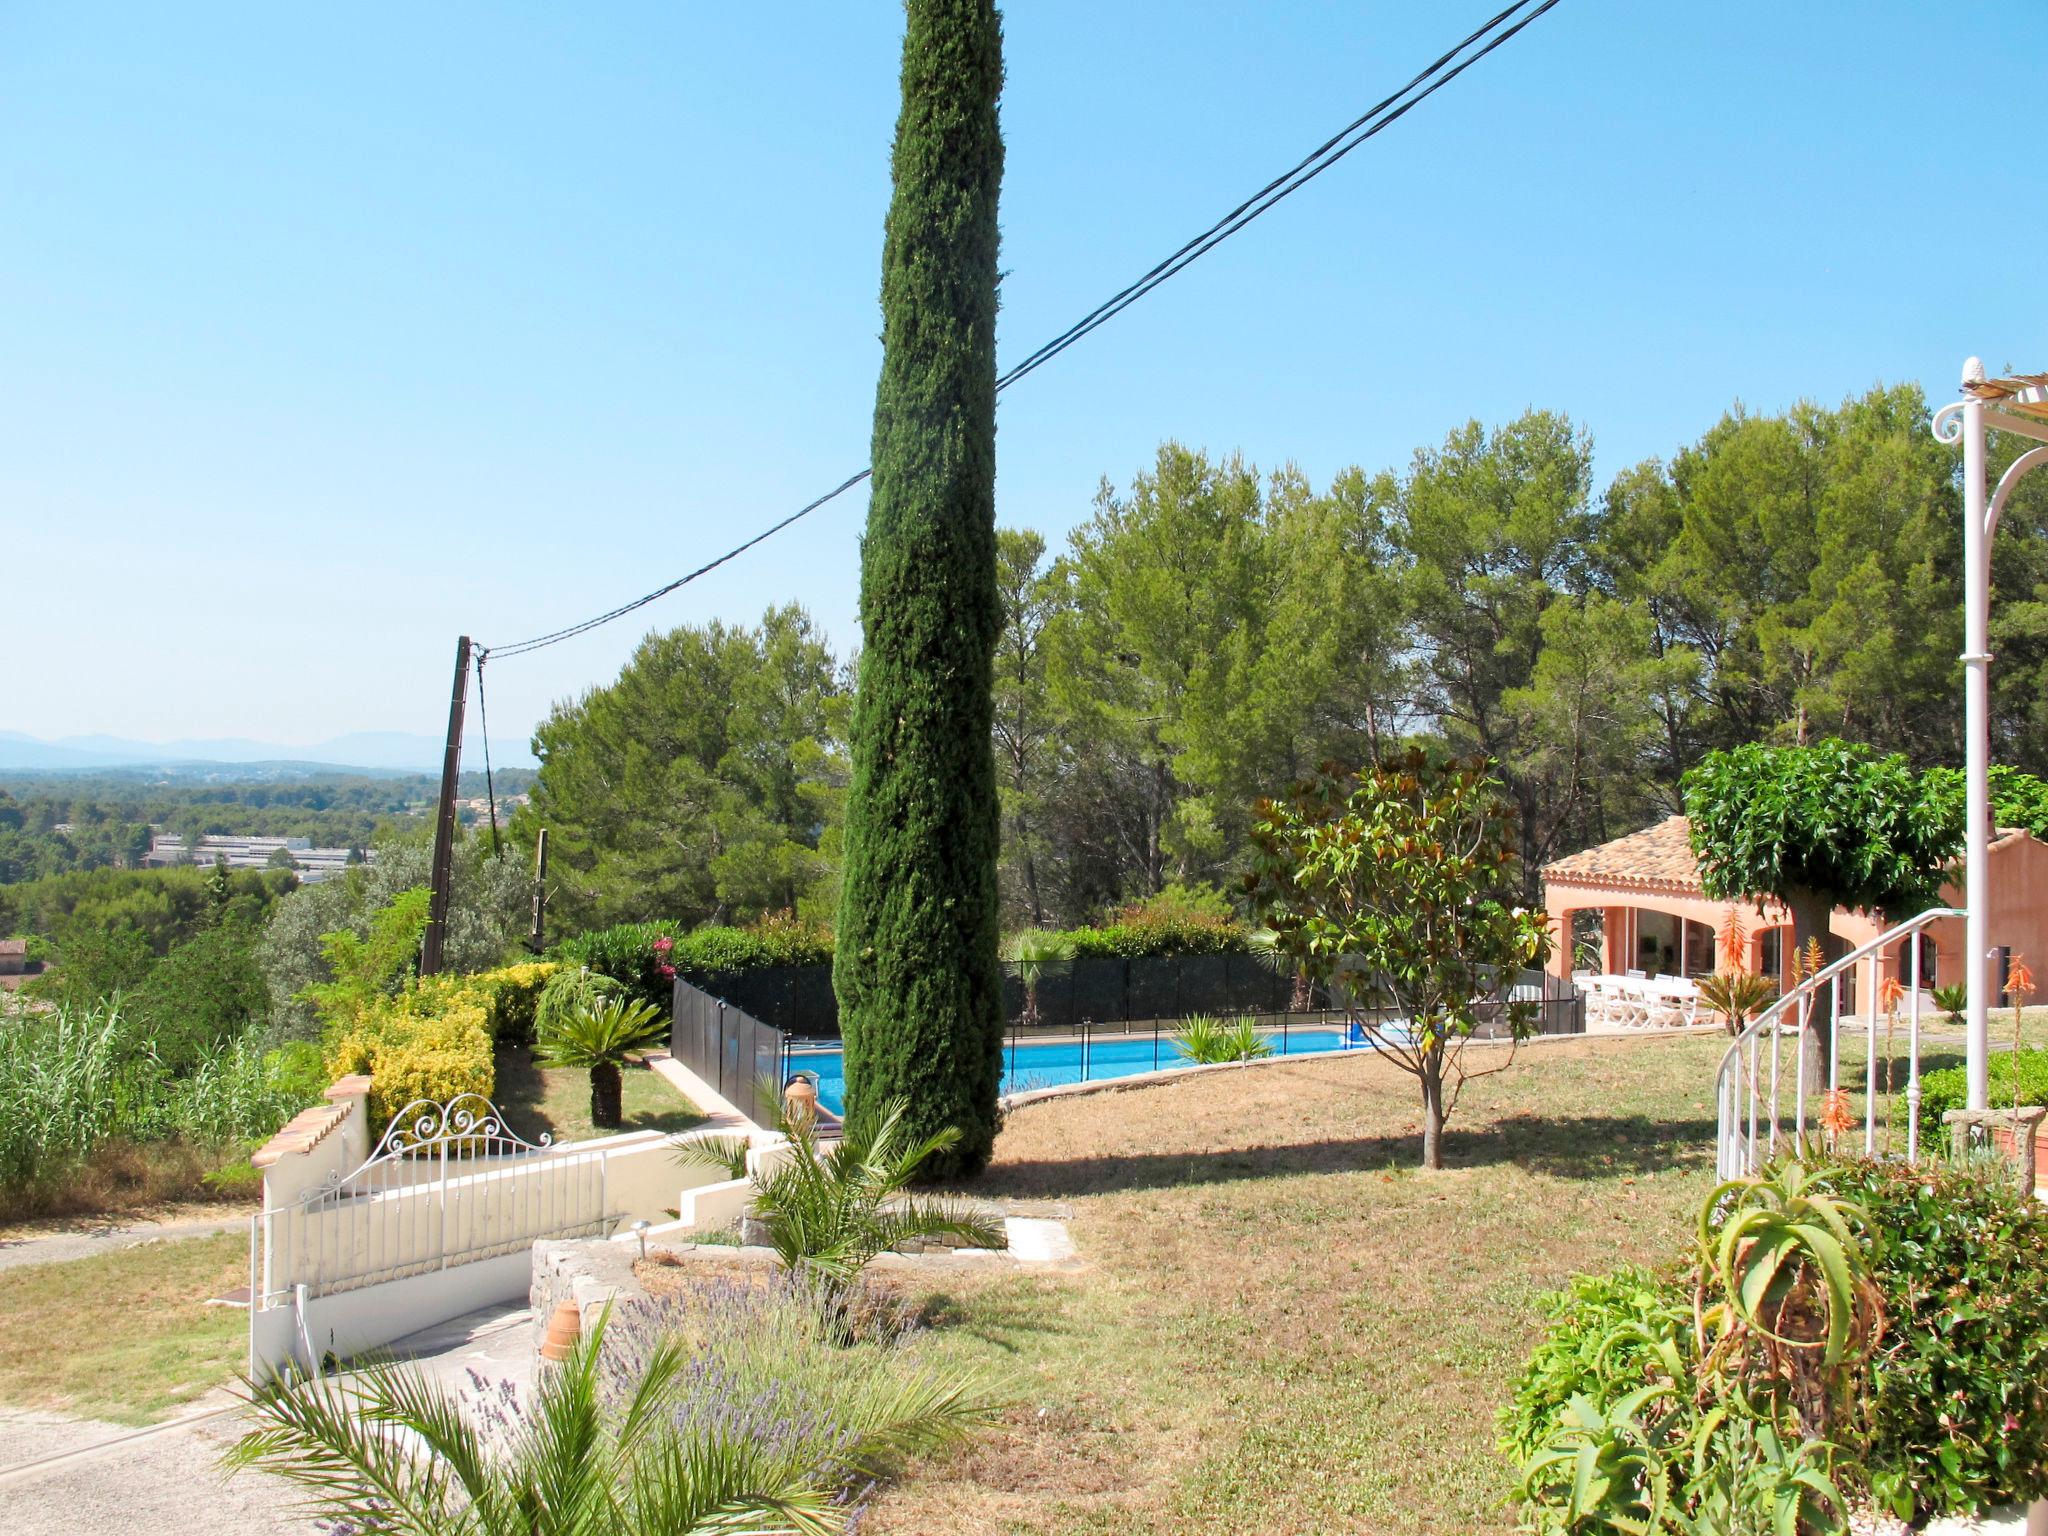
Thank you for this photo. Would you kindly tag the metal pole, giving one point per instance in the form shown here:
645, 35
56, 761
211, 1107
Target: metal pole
540, 890
444, 821
1913, 1063
1977, 730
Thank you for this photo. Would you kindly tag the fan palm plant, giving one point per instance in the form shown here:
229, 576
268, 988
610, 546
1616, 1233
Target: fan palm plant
1034, 955
597, 1037
831, 1209
389, 1450
1265, 948
1738, 996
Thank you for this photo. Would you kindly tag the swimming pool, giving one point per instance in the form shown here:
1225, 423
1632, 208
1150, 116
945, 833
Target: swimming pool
1048, 1063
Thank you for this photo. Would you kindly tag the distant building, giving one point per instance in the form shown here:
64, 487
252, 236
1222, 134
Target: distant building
313, 864
476, 810
15, 968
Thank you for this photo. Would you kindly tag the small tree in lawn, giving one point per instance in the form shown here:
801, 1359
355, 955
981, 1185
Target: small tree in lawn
1818, 827
1397, 882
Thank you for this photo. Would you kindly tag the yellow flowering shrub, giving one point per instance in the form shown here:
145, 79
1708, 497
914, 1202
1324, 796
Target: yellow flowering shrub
436, 1039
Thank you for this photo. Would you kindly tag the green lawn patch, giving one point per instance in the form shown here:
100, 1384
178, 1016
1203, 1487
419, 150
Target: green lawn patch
555, 1101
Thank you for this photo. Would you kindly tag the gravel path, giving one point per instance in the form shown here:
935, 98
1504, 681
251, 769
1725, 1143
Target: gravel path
60, 1246
112, 1480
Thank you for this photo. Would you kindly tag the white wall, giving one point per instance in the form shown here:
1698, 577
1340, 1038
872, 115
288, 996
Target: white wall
433, 1251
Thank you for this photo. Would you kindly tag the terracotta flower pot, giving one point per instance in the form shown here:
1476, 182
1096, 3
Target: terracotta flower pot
565, 1329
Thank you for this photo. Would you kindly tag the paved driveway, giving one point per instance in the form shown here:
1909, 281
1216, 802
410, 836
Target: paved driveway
79, 1477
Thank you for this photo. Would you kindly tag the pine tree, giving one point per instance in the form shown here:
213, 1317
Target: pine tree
919, 985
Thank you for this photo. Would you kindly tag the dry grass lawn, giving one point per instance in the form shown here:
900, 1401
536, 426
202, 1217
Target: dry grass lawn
1285, 1327
126, 1335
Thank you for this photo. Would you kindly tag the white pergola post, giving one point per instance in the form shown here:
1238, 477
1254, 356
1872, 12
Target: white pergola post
1977, 746
2018, 405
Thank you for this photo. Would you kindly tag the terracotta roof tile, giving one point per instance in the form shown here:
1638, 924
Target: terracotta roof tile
1659, 855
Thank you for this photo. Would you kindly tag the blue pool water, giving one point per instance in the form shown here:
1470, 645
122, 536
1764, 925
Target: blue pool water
1045, 1064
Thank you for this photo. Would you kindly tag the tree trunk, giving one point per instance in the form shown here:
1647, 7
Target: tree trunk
1811, 911
607, 1096
1433, 1110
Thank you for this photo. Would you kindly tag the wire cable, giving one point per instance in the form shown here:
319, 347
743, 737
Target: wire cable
1382, 114
483, 721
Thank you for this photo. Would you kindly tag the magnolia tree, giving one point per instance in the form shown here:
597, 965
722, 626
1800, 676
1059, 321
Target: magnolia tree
1396, 883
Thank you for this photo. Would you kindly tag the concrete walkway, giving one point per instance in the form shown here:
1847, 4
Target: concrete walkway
83, 1244
80, 1477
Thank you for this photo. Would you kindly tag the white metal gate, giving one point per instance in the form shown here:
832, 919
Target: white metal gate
448, 1184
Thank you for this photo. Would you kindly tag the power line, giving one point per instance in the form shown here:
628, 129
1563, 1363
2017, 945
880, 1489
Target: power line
1382, 114
483, 720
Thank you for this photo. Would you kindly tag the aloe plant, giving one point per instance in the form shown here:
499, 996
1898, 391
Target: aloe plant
1207, 1040
1738, 996
1718, 1418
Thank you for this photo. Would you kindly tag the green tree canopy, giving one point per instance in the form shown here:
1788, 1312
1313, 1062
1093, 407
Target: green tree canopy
1832, 822
704, 784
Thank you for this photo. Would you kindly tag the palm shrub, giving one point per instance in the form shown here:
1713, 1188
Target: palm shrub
597, 1038
1034, 955
830, 1209
1738, 996
1952, 1001
1207, 1040
568, 990
693, 1440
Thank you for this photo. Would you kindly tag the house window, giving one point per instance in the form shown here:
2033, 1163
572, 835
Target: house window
1771, 959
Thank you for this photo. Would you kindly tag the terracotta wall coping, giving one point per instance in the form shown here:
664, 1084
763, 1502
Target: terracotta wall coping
311, 1126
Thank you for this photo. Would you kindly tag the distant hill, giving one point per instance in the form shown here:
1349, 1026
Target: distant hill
365, 751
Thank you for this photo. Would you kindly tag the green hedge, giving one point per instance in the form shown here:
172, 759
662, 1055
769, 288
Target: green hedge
1137, 941
1949, 1089
631, 955
1958, 1418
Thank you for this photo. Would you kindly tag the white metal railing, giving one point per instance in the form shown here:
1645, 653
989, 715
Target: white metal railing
1751, 1087
448, 1184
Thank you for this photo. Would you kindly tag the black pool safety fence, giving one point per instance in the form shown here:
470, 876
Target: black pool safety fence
726, 1046
737, 1053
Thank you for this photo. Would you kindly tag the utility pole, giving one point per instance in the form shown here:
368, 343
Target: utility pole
540, 889
444, 823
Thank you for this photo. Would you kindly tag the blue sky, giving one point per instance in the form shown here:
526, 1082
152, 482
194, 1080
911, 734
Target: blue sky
329, 333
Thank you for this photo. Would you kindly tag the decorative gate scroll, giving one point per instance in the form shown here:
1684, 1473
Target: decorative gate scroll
447, 1184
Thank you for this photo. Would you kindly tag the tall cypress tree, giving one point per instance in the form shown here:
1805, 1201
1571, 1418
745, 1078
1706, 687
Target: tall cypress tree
920, 990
